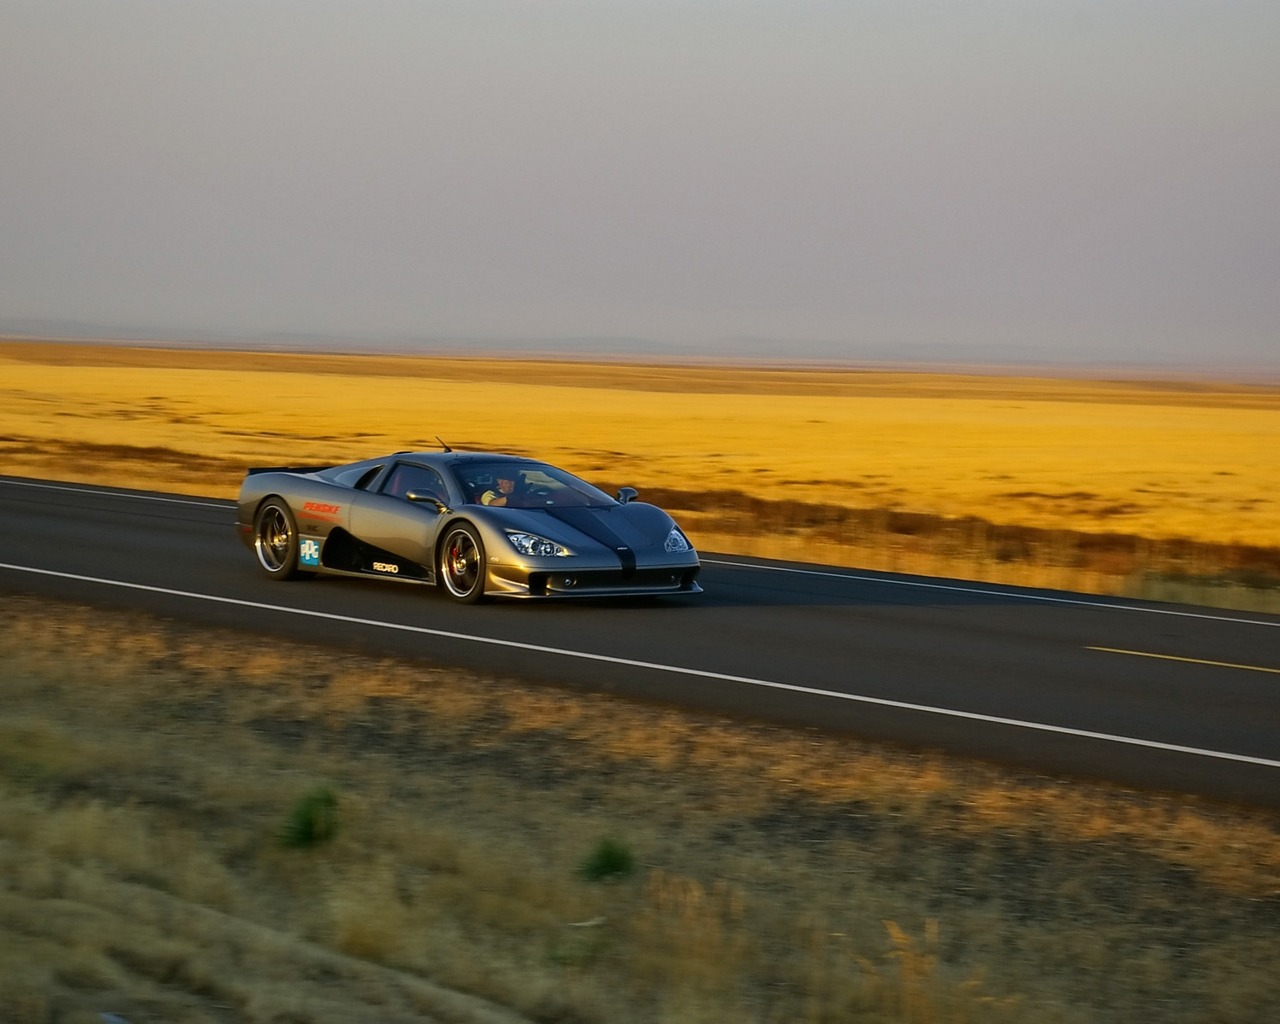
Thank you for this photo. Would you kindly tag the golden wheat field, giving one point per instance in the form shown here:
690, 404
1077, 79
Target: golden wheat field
1109, 486
1159, 460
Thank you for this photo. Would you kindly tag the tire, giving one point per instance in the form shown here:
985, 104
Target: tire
462, 564
275, 540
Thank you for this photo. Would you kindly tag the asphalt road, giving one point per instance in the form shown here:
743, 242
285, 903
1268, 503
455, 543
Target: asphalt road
1164, 697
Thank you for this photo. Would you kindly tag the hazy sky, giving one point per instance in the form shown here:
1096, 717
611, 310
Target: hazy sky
1061, 178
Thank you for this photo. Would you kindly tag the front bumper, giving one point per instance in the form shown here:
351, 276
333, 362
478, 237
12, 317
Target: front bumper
510, 581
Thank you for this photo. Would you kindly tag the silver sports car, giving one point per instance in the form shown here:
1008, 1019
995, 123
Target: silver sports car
479, 524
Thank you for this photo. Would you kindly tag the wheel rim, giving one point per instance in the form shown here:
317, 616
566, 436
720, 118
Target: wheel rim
461, 562
273, 540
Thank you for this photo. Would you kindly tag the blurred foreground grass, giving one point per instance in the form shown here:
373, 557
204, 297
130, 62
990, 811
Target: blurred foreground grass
150, 772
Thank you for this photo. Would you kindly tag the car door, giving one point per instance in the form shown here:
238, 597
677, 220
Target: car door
387, 519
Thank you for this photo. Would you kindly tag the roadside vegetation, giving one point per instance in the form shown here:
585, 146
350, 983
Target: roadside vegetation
201, 826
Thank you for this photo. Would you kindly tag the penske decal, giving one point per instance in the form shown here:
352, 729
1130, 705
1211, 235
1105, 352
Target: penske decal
322, 511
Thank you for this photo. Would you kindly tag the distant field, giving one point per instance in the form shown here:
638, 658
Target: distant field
1101, 485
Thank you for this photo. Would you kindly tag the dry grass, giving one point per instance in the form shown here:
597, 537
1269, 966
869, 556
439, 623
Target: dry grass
1106, 486
146, 771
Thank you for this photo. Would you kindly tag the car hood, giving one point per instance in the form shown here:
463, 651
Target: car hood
634, 526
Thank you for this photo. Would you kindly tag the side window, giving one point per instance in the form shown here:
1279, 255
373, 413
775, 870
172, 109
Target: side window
406, 477
474, 485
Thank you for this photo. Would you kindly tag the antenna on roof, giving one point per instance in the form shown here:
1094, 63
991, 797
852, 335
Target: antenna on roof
442, 444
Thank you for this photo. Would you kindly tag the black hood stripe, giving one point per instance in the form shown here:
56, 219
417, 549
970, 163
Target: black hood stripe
585, 521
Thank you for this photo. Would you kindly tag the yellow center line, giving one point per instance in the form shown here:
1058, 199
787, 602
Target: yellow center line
1192, 661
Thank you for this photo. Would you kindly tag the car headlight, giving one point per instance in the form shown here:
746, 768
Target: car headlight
676, 541
532, 544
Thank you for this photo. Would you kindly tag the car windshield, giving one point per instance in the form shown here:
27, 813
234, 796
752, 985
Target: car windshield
528, 485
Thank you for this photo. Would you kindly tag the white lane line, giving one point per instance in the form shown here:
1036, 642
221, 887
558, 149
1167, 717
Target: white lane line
994, 592
657, 667
104, 492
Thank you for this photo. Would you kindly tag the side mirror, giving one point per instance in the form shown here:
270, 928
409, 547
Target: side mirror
627, 494
427, 498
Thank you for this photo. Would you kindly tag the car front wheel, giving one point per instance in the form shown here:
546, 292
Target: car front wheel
462, 564
275, 540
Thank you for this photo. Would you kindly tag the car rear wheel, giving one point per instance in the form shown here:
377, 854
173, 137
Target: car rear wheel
275, 540
462, 564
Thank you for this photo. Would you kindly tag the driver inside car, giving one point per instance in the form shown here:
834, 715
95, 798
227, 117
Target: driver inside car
503, 489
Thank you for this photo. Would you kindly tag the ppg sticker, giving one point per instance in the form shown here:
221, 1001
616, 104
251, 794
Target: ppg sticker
309, 552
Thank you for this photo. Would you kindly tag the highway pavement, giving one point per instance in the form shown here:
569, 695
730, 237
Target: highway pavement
1164, 697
